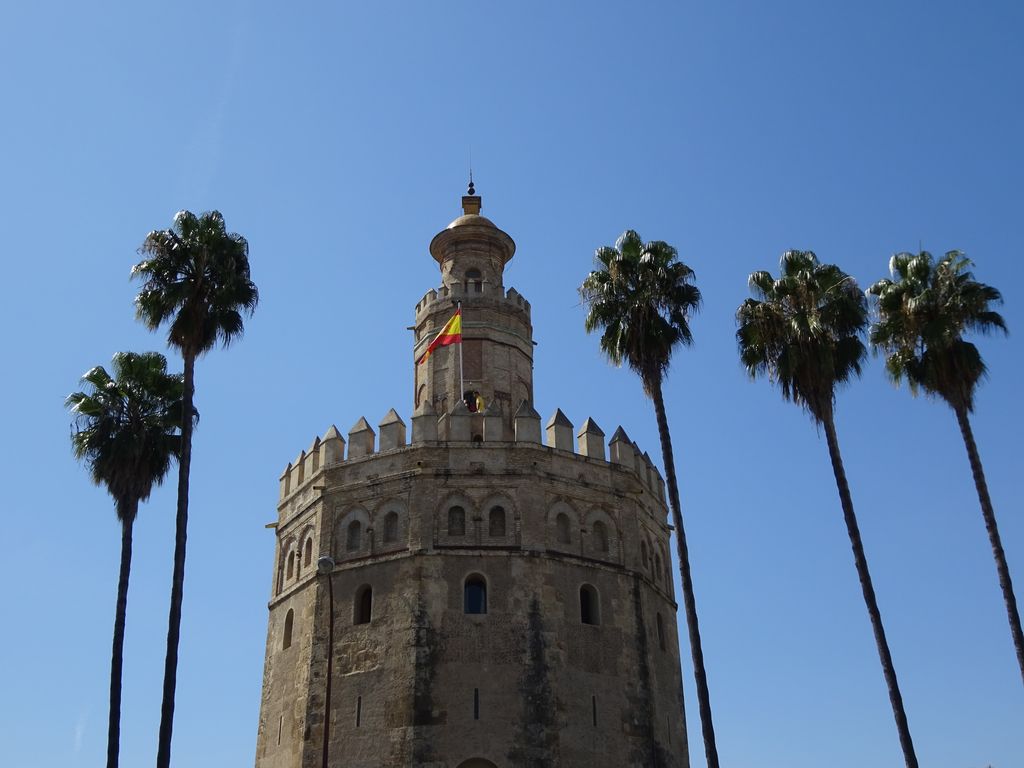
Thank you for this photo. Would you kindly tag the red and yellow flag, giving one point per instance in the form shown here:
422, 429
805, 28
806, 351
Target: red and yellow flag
450, 334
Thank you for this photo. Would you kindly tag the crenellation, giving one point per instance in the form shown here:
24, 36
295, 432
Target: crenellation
392, 431
493, 423
527, 424
649, 467
559, 431
312, 463
590, 440
458, 422
424, 424
620, 450
361, 439
332, 448
442, 297
461, 425
299, 470
286, 481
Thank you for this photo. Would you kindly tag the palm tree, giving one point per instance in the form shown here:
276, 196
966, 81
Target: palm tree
195, 277
923, 312
804, 332
640, 297
126, 433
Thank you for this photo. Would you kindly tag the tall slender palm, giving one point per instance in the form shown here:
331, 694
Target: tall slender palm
640, 297
924, 309
126, 432
804, 332
195, 277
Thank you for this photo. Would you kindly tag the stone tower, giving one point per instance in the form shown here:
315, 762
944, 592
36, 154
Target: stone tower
488, 593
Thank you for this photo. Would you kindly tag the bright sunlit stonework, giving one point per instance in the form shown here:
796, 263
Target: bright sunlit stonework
483, 598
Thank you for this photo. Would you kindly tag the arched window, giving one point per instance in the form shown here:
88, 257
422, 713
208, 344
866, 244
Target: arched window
657, 567
362, 606
474, 281
600, 536
643, 553
390, 527
562, 528
289, 620
661, 632
590, 605
496, 522
307, 557
475, 595
354, 536
456, 521
291, 565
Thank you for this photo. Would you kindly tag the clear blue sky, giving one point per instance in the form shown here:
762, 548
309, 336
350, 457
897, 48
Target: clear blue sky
336, 138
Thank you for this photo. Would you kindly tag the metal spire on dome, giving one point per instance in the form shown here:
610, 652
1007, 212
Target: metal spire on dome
471, 200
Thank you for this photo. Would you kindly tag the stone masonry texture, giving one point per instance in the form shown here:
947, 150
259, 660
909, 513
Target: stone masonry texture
496, 602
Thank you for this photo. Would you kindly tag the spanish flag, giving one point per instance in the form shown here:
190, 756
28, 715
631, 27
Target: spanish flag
450, 334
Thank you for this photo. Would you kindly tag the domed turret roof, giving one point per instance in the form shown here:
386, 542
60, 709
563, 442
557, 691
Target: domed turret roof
471, 226
471, 219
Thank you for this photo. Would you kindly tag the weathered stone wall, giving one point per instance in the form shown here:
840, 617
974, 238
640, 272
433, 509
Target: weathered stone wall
424, 683
575, 661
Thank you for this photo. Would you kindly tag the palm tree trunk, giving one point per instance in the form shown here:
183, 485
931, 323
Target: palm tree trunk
988, 513
888, 670
163, 755
689, 604
127, 517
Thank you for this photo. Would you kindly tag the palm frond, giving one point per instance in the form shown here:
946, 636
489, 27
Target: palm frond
196, 280
921, 316
804, 330
125, 425
640, 296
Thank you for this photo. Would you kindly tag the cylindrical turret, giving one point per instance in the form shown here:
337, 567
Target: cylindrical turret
496, 355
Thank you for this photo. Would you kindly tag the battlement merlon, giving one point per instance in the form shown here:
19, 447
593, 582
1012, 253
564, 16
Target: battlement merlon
460, 427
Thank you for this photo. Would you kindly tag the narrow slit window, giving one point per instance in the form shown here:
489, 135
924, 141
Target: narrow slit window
476, 703
307, 557
562, 528
661, 632
354, 536
600, 536
391, 528
289, 621
359, 711
590, 612
456, 521
475, 595
363, 607
291, 564
593, 710
496, 523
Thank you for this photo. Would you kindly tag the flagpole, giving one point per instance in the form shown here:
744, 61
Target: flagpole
462, 385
